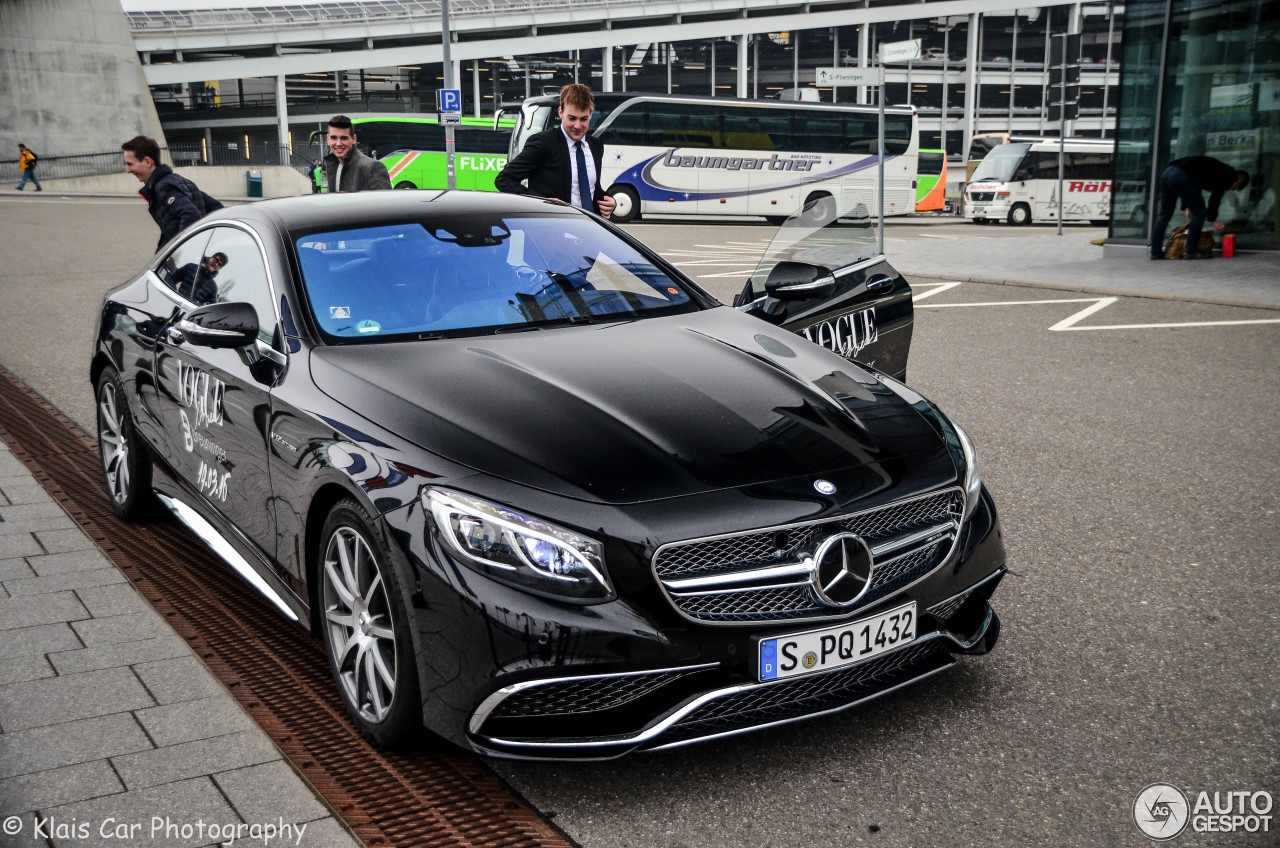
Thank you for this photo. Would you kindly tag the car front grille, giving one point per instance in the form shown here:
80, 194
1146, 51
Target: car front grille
982, 196
741, 568
790, 699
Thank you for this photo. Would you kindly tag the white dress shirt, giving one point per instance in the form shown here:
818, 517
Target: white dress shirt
574, 194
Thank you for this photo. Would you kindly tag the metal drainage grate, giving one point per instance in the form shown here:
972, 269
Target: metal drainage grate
436, 797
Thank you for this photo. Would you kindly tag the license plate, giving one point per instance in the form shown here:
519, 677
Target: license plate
835, 647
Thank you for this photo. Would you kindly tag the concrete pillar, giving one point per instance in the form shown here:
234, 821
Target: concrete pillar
475, 87
864, 47
971, 99
606, 66
1073, 25
282, 119
713, 67
795, 58
669, 53
755, 66
208, 145
742, 65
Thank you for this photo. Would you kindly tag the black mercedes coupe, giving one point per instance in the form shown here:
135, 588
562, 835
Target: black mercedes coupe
537, 491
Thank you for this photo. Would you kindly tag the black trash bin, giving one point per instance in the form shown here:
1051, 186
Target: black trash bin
254, 180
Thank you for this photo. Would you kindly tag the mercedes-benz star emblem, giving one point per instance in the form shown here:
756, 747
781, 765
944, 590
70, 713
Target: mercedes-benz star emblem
824, 487
842, 569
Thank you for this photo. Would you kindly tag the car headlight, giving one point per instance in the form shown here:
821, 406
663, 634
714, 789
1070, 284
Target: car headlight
972, 467
520, 550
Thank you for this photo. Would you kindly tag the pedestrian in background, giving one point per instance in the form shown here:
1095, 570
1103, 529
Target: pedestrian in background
317, 176
1185, 179
27, 160
346, 168
555, 162
174, 202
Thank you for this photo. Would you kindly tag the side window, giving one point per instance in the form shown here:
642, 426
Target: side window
630, 126
241, 276
182, 267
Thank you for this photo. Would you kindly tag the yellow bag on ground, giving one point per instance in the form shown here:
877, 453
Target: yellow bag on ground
1178, 243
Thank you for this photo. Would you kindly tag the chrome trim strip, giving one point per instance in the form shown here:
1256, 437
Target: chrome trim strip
489, 704
211, 537
890, 547
843, 272
753, 728
740, 590
656, 730
804, 568
186, 326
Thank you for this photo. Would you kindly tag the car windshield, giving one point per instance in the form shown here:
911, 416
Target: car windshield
1000, 164
474, 274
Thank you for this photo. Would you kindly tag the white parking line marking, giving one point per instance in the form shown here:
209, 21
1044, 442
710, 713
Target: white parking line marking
936, 288
1069, 324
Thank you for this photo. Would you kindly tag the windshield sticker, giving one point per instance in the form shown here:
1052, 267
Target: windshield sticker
336, 312
369, 327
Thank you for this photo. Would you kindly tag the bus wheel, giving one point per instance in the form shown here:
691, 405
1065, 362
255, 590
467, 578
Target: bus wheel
982, 221
819, 210
405, 184
628, 204
1019, 215
775, 220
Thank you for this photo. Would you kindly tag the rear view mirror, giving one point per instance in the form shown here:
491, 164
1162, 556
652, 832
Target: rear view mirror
221, 325
799, 281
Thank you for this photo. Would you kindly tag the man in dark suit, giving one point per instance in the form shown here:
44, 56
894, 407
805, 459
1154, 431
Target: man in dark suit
562, 163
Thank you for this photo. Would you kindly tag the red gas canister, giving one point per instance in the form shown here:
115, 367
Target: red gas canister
1228, 246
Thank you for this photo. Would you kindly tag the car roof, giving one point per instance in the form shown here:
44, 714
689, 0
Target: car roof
314, 212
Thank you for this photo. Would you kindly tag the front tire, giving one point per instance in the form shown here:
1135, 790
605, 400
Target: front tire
1019, 215
125, 460
366, 630
627, 204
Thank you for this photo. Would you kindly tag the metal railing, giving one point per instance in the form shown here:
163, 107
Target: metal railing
71, 166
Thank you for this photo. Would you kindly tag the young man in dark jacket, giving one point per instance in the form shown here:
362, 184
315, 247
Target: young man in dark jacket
1185, 179
173, 201
346, 168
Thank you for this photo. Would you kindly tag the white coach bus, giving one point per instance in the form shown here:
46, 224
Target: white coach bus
720, 156
1018, 182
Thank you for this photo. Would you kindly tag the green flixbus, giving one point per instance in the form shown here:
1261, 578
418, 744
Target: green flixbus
412, 148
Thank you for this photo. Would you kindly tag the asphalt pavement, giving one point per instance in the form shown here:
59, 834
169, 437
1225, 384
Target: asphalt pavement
1130, 444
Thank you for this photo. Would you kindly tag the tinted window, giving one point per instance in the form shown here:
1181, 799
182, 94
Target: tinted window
683, 125
476, 274
630, 126
181, 270
820, 132
747, 128
930, 165
1089, 166
242, 276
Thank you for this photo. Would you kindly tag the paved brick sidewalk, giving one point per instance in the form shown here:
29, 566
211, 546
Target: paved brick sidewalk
106, 716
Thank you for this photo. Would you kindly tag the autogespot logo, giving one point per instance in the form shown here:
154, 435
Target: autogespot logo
1161, 811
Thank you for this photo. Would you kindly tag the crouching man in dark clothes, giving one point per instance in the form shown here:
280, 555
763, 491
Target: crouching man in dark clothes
1185, 179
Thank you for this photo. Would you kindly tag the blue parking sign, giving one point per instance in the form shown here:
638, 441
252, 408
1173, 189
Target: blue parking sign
449, 99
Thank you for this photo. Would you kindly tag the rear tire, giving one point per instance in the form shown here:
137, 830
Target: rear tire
365, 626
776, 220
627, 204
124, 458
1019, 215
405, 184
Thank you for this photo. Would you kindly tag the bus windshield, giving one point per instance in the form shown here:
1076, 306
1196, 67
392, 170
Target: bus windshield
1001, 163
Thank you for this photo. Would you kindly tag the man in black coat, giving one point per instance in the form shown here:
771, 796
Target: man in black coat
1186, 179
174, 202
556, 164
346, 168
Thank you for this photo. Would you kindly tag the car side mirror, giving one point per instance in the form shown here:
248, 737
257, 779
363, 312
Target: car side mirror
799, 281
221, 325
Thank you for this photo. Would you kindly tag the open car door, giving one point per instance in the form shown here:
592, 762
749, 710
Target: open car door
831, 285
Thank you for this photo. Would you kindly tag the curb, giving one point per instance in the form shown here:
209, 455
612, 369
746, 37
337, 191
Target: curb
1100, 290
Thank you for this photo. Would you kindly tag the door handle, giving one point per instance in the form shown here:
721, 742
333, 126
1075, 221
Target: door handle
878, 284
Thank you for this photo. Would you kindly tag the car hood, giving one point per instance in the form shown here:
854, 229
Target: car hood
630, 412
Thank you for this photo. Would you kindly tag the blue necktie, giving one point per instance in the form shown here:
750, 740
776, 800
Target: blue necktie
584, 183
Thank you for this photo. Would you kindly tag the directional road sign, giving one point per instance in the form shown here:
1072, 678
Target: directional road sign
900, 51
849, 76
449, 100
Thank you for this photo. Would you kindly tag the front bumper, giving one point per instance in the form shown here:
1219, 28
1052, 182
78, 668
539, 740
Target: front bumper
722, 710
514, 676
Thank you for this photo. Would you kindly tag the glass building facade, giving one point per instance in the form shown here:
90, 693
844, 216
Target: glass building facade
1200, 77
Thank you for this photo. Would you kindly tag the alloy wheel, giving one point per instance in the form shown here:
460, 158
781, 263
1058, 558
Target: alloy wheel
113, 443
358, 621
